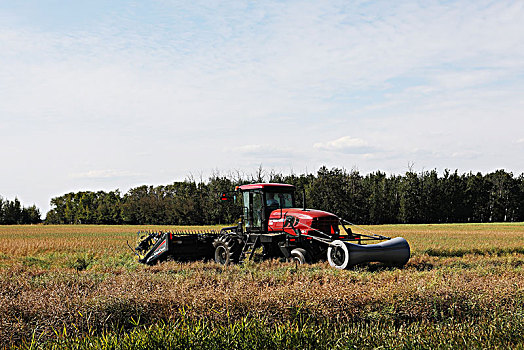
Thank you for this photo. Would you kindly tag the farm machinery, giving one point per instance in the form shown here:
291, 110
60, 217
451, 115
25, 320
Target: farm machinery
272, 224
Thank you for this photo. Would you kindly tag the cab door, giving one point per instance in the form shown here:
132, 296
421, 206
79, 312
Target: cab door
253, 211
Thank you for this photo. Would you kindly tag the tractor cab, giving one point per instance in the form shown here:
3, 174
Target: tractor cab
260, 200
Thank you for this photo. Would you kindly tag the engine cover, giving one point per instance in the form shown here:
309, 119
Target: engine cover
306, 221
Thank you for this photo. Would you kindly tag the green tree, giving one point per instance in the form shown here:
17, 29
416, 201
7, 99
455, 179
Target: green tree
12, 212
31, 215
503, 200
477, 195
410, 199
380, 198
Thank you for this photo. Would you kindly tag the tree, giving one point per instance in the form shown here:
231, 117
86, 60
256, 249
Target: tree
12, 212
376, 185
503, 200
31, 215
330, 191
2, 205
410, 199
477, 193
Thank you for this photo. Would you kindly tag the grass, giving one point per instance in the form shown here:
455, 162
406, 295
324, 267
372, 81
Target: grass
80, 287
252, 334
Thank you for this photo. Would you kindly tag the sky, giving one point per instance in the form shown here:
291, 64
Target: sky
100, 95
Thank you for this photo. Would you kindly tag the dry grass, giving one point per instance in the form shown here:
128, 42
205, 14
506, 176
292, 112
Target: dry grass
457, 237
34, 239
473, 275
22, 240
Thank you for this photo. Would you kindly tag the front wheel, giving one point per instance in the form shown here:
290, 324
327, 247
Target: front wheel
227, 250
300, 255
338, 255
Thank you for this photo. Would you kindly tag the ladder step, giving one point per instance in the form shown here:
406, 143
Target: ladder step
249, 248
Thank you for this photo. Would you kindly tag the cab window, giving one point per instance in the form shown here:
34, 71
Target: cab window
275, 199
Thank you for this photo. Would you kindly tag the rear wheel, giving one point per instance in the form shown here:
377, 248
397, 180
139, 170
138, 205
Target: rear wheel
227, 250
338, 255
300, 255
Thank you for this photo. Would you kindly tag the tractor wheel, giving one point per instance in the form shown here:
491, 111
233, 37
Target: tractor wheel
227, 250
338, 255
300, 255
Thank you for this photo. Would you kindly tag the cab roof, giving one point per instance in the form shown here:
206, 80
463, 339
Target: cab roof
266, 186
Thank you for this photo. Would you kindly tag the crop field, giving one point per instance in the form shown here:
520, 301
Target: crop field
80, 287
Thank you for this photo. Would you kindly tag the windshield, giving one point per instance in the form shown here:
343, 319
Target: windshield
274, 200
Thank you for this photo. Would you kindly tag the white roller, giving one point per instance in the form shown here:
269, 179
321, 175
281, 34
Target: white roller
342, 255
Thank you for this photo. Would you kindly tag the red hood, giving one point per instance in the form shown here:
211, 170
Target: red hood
306, 221
308, 214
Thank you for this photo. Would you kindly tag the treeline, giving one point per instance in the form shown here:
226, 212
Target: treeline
375, 198
422, 197
12, 212
181, 203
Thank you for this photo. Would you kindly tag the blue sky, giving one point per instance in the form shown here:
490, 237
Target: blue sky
105, 95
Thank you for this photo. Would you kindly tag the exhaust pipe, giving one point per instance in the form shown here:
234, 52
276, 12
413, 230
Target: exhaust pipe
393, 252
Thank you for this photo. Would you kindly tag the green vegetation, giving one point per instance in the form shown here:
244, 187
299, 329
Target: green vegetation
12, 213
248, 333
371, 199
80, 287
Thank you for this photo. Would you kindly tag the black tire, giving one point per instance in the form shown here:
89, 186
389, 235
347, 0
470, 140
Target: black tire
300, 255
338, 255
227, 250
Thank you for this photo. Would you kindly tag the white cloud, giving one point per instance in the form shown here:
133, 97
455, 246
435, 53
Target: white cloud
169, 87
466, 154
345, 144
105, 174
263, 151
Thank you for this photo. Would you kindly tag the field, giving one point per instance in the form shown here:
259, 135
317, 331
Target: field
80, 287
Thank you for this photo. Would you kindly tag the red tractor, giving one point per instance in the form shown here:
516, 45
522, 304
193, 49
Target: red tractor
272, 222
